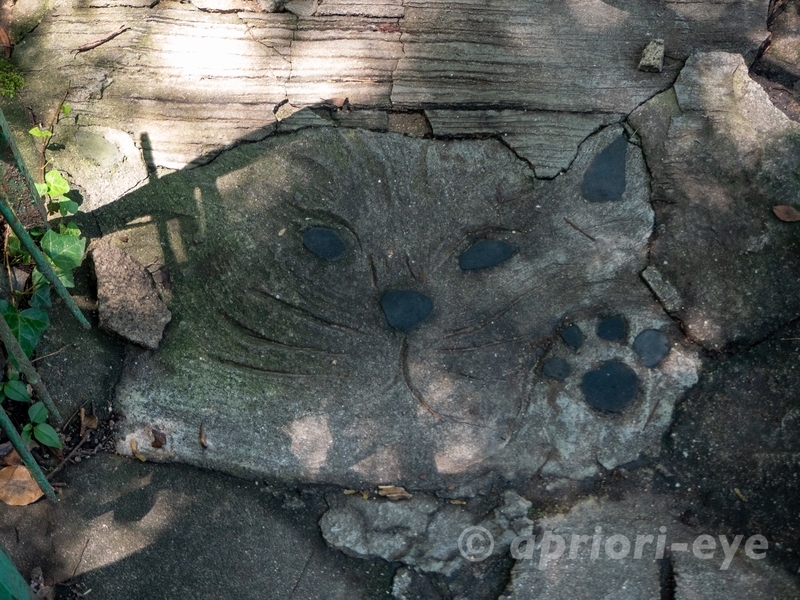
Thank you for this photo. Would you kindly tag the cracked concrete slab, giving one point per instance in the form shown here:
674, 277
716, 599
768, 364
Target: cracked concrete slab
637, 548
293, 369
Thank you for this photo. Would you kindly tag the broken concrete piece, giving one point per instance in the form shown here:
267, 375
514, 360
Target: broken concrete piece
341, 390
652, 57
722, 156
103, 162
128, 304
422, 533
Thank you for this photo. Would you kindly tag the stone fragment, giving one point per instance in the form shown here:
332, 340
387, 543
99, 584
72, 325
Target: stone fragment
405, 309
611, 387
338, 395
572, 336
128, 303
324, 243
612, 328
652, 57
420, 532
484, 254
722, 156
652, 346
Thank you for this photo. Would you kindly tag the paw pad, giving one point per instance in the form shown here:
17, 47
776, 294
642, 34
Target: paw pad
609, 385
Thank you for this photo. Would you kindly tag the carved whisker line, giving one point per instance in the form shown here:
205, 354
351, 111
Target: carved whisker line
256, 336
469, 377
407, 378
489, 320
308, 314
481, 346
373, 271
275, 372
323, 216
453, 419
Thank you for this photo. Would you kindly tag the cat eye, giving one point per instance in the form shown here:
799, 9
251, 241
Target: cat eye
324, 243
486, 253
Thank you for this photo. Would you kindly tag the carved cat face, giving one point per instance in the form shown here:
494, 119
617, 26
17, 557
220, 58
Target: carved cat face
371, 307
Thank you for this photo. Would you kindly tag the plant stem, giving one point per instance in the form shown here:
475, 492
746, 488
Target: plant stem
23, 167
15, 350
40, 260
25, 454
51, 129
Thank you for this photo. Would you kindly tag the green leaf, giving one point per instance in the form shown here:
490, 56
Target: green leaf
47, 435
41, 188
37, 413
66, 109
26, 433
66, 252
15, 249
66, 206
57, 186
69, 229
27, 325
16, 390
39, 132
41, 290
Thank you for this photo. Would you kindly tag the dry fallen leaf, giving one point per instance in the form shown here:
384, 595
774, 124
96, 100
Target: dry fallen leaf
365, 495
159, 439
135, 450
787, 213
17, 486
393, 492
202, 438
458, 501
349, 492
87, 422
5, 43
8, 455
739, 494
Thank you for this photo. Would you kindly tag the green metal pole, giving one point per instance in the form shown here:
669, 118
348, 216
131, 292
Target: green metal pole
25, 365
27, 457
22, 166
40, 260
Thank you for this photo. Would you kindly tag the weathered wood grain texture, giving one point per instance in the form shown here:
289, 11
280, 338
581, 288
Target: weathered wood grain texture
574, 55
193, 82
548, 140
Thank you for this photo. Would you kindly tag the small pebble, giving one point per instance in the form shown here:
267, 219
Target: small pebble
573, 337
324, 243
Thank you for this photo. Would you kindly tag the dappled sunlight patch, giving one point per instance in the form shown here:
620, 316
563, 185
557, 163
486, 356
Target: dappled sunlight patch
311, 440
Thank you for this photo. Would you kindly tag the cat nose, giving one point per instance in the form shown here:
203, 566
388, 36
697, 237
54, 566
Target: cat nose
405, 309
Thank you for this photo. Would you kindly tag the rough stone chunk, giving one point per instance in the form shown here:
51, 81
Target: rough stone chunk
611, 387
653, 57
486, 253
613, 328
127, 300
572, 336
324, 243
405, 309
652, 346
